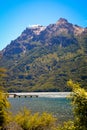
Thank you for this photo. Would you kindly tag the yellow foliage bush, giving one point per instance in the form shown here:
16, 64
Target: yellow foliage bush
79, 102
4, 113
69, 125
29, 121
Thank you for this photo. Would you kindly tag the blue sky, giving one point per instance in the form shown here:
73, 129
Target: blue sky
16, 15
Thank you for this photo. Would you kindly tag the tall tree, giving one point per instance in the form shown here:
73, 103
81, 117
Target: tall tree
4, 104
79, 101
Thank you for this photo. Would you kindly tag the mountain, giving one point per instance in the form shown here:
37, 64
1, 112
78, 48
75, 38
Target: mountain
45, 58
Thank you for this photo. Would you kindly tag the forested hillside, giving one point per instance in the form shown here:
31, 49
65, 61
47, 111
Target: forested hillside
45, 58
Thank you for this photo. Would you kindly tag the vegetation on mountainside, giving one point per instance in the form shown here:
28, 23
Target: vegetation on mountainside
47, 69
2, 76
45, 62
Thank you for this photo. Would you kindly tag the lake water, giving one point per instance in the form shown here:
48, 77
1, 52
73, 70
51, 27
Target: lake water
60, 107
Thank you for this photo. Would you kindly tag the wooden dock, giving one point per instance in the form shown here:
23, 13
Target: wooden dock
19, 95
38, 94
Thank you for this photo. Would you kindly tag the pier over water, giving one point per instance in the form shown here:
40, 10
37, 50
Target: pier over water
39, 94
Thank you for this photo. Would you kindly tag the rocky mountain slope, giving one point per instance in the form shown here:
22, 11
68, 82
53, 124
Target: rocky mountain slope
44, 58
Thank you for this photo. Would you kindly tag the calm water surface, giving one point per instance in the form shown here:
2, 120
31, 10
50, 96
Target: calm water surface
59, 107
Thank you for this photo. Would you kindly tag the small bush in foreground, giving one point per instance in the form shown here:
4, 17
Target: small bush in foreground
69, 125
35, 121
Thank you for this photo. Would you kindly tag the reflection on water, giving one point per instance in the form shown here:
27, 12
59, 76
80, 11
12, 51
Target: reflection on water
59, 107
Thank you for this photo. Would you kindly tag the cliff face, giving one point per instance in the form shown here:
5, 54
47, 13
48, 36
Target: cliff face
44, 58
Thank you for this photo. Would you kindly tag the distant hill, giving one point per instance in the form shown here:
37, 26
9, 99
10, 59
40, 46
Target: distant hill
45, 58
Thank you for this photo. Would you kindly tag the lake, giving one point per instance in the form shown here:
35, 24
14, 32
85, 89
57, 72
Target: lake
59, 106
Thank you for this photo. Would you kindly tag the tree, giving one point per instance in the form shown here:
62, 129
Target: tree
79, 101
4, 104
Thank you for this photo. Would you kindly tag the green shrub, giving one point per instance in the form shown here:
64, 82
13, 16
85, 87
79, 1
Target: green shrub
79, 102
4, 113
29, 121
69, 125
